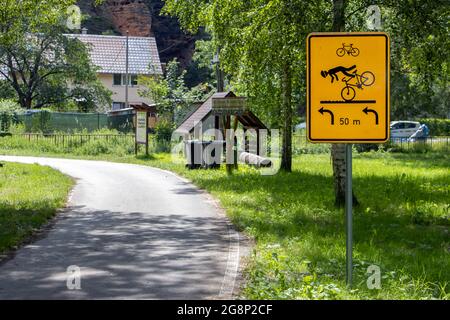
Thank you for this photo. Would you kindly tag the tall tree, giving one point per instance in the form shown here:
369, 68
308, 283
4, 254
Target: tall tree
171, 93
261, 48
419, 85
41, 64
338, 149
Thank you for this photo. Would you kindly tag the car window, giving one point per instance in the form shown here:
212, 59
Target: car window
411, 125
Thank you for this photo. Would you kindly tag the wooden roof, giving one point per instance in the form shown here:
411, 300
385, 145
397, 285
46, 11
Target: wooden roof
248, 119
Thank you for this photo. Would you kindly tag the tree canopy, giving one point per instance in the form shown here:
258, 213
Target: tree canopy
262, 49
39, 62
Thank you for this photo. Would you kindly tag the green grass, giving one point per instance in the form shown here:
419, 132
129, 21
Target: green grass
402, 224
29, 196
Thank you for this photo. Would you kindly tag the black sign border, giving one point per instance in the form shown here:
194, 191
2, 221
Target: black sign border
388, 101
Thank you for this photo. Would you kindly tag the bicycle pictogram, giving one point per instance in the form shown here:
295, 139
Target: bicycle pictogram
349, 49
348, 93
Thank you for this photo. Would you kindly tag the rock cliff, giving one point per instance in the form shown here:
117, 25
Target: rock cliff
140, 18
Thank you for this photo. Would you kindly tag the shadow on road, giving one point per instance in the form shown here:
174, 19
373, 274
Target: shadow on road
121, 255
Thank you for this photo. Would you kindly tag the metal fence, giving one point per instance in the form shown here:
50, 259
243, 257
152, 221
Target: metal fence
438, 143
64, 140
300, 144
71, 122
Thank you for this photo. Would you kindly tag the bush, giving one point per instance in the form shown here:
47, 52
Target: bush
367, 147
163, 135
438, 127
8, 111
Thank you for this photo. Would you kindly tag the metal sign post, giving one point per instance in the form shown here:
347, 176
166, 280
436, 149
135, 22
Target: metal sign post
348, 96
349, 214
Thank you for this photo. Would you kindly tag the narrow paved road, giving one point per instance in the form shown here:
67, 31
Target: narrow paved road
135, 232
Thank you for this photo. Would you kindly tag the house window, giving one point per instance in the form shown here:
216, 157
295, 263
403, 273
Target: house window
118, 105
117, 79
120, 79
133, 80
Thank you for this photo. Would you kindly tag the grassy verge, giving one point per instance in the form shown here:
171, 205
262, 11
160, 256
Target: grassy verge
401, 226
29, 196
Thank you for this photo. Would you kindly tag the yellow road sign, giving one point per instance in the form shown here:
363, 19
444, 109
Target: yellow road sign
348, 87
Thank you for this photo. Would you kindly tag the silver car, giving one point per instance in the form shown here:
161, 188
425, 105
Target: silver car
404, 129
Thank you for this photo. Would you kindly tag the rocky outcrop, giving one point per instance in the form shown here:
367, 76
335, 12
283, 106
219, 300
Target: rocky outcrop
172, 41
130, 15
140, 18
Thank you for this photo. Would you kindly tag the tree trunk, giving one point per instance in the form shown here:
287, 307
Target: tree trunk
286, 151
229, 145
28, 102
338, 150
339, 172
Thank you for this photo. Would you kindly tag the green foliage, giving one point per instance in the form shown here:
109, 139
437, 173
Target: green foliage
438, 127
402, 224
8, 111
18, 18
170, 92
201, 70
419, 57
6, 91
256, 37
100, 142
163, 135
300, 145
40, 63
31, 194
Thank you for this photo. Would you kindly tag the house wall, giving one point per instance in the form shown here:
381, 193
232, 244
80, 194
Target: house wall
119, 91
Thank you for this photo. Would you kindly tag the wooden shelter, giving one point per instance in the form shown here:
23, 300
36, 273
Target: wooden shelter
215, 112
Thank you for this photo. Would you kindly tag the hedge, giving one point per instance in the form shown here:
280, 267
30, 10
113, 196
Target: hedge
438, 127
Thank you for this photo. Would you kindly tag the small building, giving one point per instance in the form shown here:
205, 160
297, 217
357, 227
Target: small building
108, 53
209, 116
124, 119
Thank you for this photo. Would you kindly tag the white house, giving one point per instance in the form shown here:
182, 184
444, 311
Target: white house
108, 53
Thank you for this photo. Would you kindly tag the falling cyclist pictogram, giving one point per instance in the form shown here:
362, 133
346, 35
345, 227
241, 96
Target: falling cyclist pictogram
352, 80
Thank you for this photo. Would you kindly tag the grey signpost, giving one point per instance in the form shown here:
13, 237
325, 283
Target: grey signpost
349, 213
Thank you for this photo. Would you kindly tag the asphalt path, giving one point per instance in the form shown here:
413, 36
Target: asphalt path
128, 232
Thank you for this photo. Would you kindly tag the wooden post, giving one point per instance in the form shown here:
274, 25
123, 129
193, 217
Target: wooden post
235, 156
229, 167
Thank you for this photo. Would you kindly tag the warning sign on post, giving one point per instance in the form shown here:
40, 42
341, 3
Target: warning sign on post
348, 87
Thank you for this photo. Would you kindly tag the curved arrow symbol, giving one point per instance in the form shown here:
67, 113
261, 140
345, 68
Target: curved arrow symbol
322, 110
367, 110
